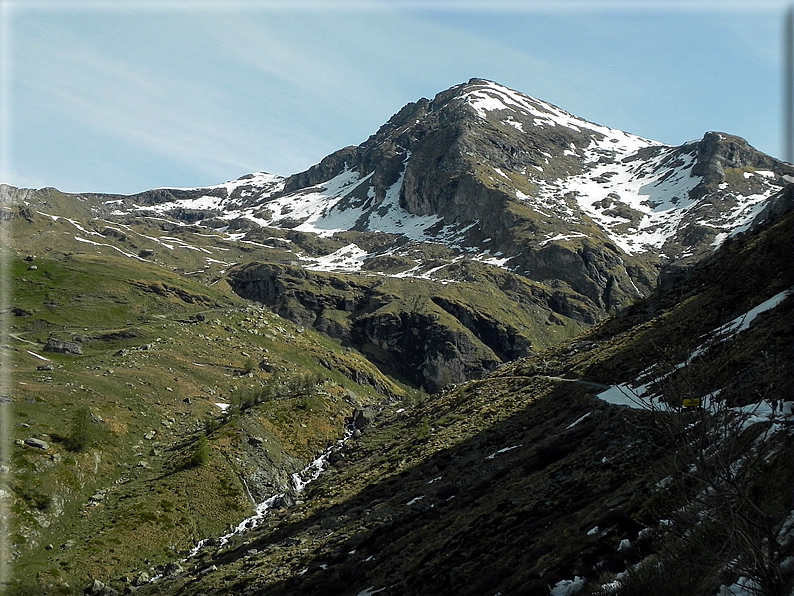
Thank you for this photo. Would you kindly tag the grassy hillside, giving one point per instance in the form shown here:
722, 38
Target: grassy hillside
119, 488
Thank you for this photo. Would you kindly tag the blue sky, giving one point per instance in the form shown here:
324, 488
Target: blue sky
121, 96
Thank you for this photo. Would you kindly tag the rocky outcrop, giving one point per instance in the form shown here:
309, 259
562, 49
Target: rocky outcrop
719, 152
407, 327
505, 341
63, 347
597, 272
330, 166
159, 196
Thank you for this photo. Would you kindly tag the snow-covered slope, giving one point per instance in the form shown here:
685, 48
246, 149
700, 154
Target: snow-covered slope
641, 193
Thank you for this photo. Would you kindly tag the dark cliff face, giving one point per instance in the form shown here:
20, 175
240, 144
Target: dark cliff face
418, 345
421, 348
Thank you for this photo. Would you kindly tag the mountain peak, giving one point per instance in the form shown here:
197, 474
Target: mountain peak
496, 175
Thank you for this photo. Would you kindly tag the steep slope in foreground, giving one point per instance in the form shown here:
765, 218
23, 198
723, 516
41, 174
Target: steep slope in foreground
530, 481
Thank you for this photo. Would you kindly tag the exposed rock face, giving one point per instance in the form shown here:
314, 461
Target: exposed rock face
330, 166
504, 340
719, 152
267, 467
419, 347
595, 271
413, 329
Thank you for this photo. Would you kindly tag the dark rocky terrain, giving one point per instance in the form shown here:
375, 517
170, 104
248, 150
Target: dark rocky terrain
539, 356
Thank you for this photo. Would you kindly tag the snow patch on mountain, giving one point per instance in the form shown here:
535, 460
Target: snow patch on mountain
640, 207
328, 213
642, 204
250, 184
639, 394
489, 97
347, 258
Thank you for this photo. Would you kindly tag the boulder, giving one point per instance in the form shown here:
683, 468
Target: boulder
267, 366
172, 569
37, 443
141, 579
363, 417
284, 501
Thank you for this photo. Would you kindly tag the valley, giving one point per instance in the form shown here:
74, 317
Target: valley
537, 355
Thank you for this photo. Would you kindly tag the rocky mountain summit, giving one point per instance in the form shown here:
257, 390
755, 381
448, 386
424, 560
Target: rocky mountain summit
494, 348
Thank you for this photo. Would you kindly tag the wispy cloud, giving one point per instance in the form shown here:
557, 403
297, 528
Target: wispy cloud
182, 120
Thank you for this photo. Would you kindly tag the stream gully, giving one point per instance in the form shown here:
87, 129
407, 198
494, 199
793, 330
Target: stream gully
300, 480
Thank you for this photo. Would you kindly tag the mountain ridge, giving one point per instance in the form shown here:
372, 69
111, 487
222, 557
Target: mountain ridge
480, 176
433, 162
